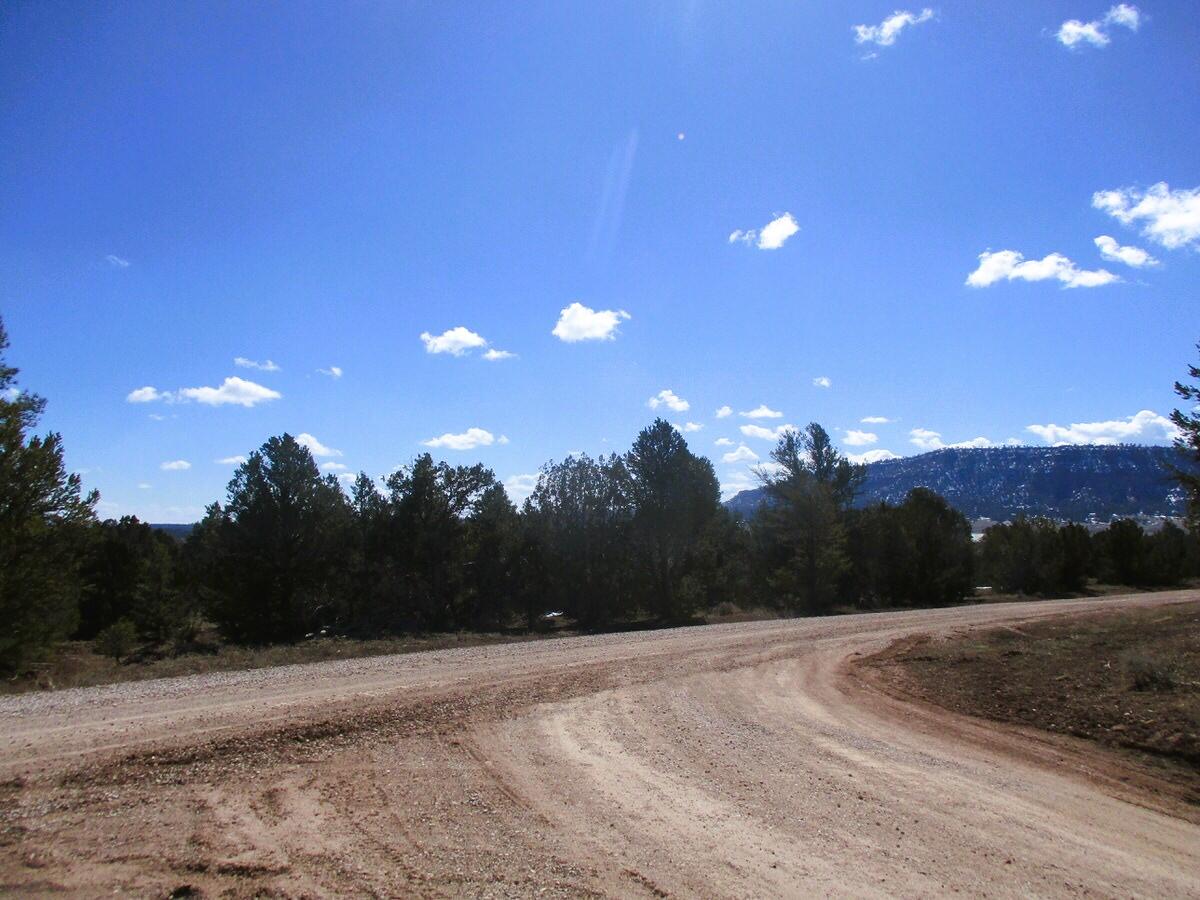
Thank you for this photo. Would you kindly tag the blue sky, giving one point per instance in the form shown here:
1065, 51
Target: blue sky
741, 200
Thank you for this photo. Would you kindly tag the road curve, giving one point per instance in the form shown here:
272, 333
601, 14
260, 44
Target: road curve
739, 760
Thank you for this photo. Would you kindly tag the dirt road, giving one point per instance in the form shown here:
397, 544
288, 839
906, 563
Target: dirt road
743, 760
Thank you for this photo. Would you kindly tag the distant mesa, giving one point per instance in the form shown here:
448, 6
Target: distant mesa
1078, 483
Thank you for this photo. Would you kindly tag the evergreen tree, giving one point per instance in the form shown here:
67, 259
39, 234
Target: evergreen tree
274, 555
676, 500
580, 518
1188, 422
43, 512
802, 526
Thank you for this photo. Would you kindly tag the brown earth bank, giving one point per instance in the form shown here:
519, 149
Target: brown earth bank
1127, 679
749, 759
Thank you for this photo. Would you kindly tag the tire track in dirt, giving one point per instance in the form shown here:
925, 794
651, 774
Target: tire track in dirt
743, 760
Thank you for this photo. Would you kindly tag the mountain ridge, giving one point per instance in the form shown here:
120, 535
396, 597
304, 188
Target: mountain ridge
1078, 483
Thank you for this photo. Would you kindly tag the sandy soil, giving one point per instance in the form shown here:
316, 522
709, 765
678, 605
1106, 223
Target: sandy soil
755, 759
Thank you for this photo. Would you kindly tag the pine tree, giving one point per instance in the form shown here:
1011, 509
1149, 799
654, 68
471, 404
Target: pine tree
1188, 422
42, 514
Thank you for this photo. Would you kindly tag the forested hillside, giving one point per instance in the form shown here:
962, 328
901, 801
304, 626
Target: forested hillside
1075, 483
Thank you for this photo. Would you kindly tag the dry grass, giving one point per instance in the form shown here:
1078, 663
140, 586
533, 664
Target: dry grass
1128, 679
77, 664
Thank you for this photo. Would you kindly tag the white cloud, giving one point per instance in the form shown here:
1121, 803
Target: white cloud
885, 33
334, 466
145, 486
147, 394
315, 447
175, 465
741, 454
494, 355
738, 481
518, 487
581, 323
117, 261
874, 420
859, 438
723, 442
668, 398
1170, 218
244, 363
1010, 265
456, 341
932, 440
231, 460
332, 371
1073, 33
468, 440
233, 390
347, 477
762, 411
871, 456
771, 236
689, 427
1131, 256
1146, 424
1124, 14
822, 381
724, 412
766, 434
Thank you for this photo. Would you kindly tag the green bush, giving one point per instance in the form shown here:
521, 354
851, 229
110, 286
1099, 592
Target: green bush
118, 640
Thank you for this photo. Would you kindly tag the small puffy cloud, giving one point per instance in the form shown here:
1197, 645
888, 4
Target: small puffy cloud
175, 465
724, 412
268, 366
518, 487
885, 33
347, 478
467, 440
494, 355
147, 394
771, 236
456, 341
871, 456
117, 262
1146, 425
689, 427
766, 434
741, 454
231, 460
315, 447
334, 466
233, 391
582, 323
856, 438
668, 398
723, 442
925, 439
822, 381
1169, 218
1009, 265
331, 372
1131, 256
762, 411
1074, 33
874, 420
144, 486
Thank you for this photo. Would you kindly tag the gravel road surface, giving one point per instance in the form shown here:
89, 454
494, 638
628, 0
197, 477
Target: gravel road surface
749, 760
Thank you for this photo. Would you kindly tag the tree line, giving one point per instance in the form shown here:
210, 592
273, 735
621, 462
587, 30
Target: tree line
635, 537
